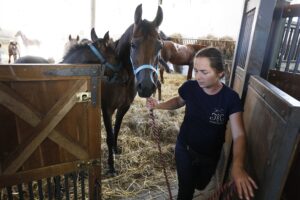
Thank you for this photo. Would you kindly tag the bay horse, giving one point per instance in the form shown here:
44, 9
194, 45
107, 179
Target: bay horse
26, 41
133, 63
179, 54
13, 51
138, 50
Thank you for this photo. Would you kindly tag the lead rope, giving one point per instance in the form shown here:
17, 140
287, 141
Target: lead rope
156, 133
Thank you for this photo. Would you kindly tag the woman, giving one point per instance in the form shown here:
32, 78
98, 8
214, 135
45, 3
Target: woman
209, 105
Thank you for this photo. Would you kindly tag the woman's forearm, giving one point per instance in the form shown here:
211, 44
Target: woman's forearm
170, 104
239, 148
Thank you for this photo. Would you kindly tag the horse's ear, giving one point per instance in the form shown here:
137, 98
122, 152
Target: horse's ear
138, 14
77, 38
106, 36
159, 17
94, 36
70, 37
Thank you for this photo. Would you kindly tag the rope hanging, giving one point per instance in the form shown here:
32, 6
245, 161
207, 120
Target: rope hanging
156, 133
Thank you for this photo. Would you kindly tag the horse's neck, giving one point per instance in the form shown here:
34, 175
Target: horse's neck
197, 47
122, 47
24, 38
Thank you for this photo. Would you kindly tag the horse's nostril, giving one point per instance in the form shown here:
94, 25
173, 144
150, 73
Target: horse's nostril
139, 87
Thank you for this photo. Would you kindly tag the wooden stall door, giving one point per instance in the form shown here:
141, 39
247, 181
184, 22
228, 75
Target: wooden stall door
49, 126
272, 125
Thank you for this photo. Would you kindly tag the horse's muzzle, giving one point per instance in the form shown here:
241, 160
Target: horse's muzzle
145, 91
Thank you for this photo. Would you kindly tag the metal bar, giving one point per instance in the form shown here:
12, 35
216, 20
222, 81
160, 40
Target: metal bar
297, 49
97, 194
82, 177
40, 189
293, 45
284, 43
291, 32
297, 62
49, 188
57, 187
9, 193
67, 186
31, 197
20, 191
91, 71
74, 178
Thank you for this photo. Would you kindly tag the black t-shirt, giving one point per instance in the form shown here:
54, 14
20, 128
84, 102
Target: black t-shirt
204, 124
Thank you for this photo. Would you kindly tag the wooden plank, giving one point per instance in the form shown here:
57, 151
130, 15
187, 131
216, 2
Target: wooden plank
36, 174
16, 104
38, 72
54, 116
272, 128
25, 111
69, 144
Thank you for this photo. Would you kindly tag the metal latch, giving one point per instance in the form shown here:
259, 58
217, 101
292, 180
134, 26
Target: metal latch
83, 96
89, 163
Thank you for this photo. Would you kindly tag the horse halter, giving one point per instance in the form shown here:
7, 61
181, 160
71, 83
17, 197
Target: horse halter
97, 53
142, 67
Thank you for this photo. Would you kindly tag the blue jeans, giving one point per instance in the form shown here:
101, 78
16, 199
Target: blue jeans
192, 175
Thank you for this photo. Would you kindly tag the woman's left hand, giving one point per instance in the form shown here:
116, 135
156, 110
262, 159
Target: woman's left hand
244, 183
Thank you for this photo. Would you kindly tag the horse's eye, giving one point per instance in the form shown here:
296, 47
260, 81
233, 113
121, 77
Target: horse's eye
159, 46
133, 45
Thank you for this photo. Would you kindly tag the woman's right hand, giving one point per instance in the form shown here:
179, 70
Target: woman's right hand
151, 103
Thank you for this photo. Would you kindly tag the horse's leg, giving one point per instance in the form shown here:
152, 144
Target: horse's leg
159, 90
109, 138
9, 58
161, 72
190, 72
119, 117
177, 68
165, 65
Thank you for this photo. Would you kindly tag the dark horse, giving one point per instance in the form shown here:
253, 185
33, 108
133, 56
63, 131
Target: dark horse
99, 50
178, 54
138, 50
32, 59
132, 64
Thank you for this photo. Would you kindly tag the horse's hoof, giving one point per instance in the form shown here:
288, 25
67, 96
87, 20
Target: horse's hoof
111, 173
117, 150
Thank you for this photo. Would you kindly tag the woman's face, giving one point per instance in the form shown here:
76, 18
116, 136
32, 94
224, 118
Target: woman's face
206, 76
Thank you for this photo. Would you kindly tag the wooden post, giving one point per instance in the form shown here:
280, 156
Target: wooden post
93, 13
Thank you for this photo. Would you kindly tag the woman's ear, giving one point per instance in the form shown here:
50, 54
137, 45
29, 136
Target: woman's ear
221, 74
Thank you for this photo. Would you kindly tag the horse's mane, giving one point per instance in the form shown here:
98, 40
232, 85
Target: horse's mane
122, 45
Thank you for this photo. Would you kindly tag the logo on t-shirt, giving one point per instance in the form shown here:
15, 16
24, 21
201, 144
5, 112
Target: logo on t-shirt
217, 117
